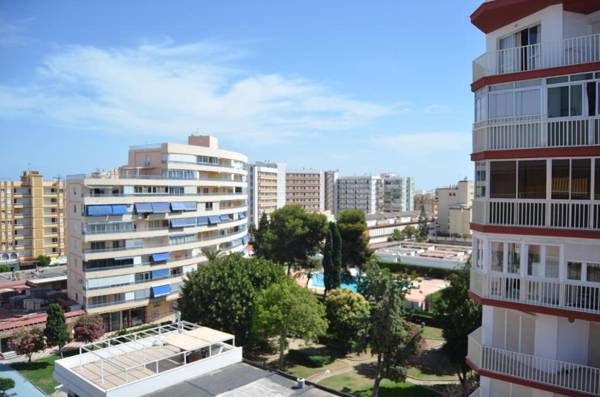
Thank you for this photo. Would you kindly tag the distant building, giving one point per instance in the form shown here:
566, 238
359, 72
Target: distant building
331, 178
398, 193
306, 188
31, 219
266, 189
381, 226
454, 208
360, 192
426, 200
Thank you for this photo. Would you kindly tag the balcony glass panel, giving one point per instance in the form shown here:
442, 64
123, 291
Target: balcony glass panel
574, 270
532, 179
534, 261
597, 179
581, 179
503, 176
497, 256
514, 258
560, 179
593, 272
552, 261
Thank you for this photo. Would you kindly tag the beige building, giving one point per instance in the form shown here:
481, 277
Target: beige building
454, 208
426, 200
31, 219
306, 188
134, 233
266, 189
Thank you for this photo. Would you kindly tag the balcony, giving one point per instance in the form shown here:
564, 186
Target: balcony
568, 295
532, 132
570, 377
572, 51
554, 214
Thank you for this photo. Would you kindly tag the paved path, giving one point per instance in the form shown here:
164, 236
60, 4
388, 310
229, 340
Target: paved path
22, 387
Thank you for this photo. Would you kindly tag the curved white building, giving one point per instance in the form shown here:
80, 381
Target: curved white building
133, 233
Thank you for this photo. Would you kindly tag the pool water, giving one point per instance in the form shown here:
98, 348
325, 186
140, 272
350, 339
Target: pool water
318, 281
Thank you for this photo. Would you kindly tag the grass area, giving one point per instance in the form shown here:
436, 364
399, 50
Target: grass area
39, 373
418, 373
432, 333
361, 385
301, 371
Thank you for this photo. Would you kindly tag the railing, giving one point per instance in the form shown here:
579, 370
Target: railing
135, 282
552, 293
556, 214
530, 132
571, 51
165, 194
136, 229
175, 288
544, 371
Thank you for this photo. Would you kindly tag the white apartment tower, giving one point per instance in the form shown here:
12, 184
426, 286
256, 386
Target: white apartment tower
266, 189
133, 233
360, 192
398, 193
536, 212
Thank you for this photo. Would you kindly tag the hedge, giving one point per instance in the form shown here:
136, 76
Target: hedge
396, 267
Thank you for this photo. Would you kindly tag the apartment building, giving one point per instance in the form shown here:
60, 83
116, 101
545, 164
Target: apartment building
454, 208
536, 213
426, 200
330, 183
360, 192
31, 219
266, 189
306, 188
398, 193
134, 233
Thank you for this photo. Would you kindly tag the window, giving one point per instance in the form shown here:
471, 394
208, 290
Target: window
565, 101
593, 272
503, 176
560, 179
574, 271
597, 179
552, 260
514, 258
534, 260
532, 179
479, 250
581, 179
497, 256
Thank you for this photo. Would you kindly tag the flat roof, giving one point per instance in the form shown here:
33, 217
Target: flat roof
240, 380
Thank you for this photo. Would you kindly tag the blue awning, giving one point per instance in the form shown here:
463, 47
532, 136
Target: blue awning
98, 210
214, 220
161, 290
224, 218
183, 222
120, 209
203, 221
160, 208
163, 256
184, 206
162, 273
143, 208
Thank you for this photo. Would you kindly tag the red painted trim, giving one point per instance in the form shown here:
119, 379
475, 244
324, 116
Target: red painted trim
536, 231
583, 151
534, 74
527, 383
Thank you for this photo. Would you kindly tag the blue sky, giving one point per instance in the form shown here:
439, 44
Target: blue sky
364, 87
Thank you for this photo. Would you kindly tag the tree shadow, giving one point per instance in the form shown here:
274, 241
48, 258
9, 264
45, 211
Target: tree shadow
433, 362
368, 370
33, 366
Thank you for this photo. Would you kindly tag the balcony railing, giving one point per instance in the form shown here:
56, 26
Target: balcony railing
530, 132
545, 371
551, 293
555, 214
572, 51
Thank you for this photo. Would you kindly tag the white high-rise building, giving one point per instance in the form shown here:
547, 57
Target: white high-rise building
536, 212
133, 233
266, 189
398, 193
360, 192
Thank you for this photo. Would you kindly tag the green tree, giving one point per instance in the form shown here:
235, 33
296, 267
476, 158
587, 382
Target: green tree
88, 328
423, 230
43, 260
393, 339
6, 384
410, 231
285, 309
460, 316
397, 235
212, 254
5, 268
355, 242
294, 236
336, 249
221, 294
332, 259
261, 236
348, 314
56, 331
27, 342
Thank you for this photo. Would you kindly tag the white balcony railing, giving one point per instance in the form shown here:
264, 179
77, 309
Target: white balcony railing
545, 371
571, 51
530, 132
551, 293
555, 214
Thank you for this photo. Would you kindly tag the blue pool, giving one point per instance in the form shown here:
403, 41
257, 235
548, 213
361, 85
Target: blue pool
317, 281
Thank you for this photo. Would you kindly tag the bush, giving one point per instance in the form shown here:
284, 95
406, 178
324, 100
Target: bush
5, 268
420, 271
6, 384
426, 318
310, 357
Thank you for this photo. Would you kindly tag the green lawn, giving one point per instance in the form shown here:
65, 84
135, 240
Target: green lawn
301, 371
432, 333
361, 386
417, 373
39, 373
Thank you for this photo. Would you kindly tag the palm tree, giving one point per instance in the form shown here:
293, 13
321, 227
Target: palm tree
212, 254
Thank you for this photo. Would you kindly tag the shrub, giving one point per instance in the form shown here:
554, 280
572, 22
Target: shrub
88, 328
6, 384
310, 358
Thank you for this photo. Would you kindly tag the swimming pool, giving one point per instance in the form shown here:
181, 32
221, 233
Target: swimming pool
318, 281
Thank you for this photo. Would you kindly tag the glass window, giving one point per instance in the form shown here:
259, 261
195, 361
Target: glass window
591, 98
503, 178
576, 108
532, 179
574, 270
560, 179
480, 254
501, 104
558, 101
514, 258
597, 179
527, 102
534, 260
593, 272
581, 179
552, 260
497, 256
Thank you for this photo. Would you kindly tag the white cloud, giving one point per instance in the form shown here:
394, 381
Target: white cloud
163, 88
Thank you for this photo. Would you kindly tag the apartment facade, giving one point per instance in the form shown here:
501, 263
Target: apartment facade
454, 208
266, 189
306, 188
135, 232
330, 184
31, 219
536, 212
426, 200
398, 193
360, 192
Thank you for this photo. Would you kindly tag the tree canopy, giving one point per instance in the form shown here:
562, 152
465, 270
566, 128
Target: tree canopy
56, 331
221, 294
43, 260
285, 309
348, 314
352, 226
27, 342
88, 328
423, 230
6, 384
332, 258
